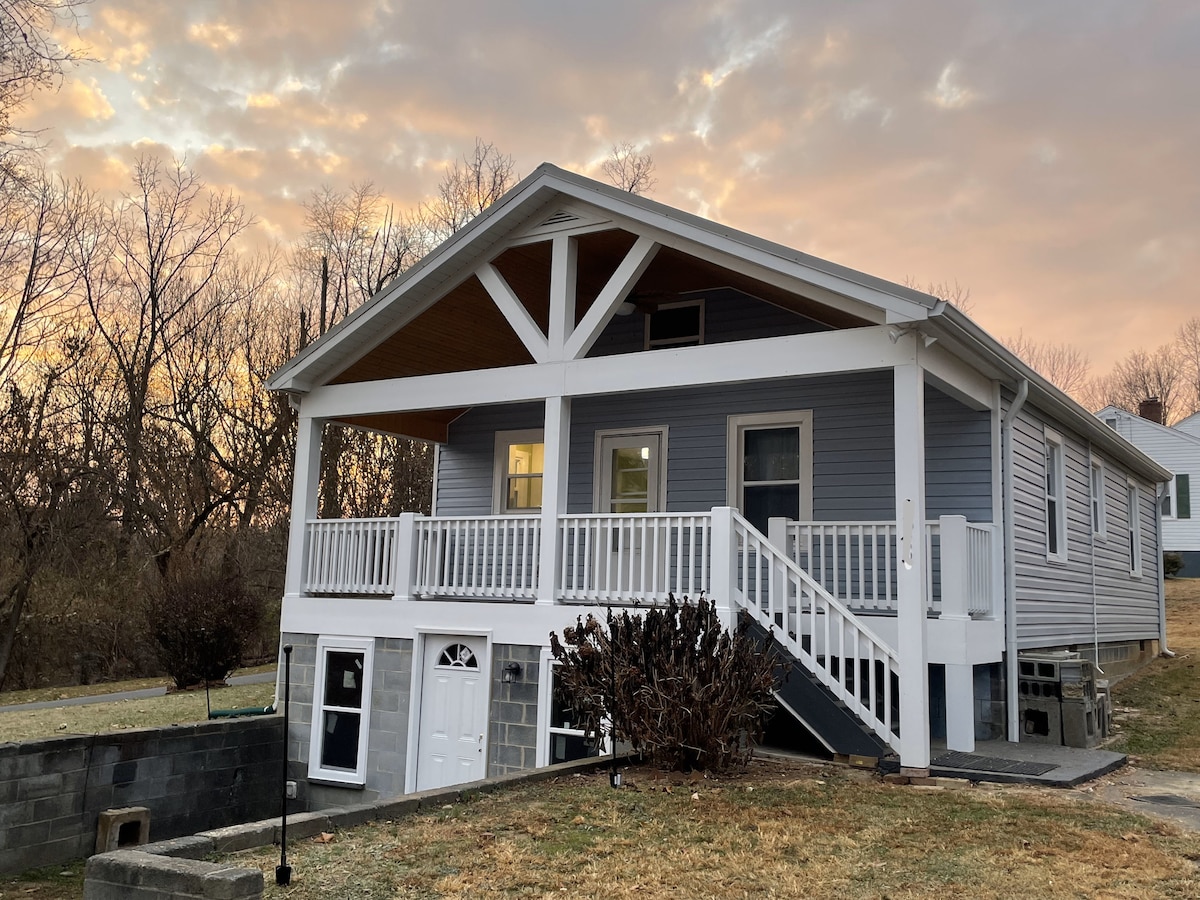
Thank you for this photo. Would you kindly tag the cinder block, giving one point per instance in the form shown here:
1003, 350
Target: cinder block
301, 825
241, 837
191, 847
118, 829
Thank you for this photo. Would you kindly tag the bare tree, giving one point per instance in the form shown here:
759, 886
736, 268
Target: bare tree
1187, 343
40, 222
168, 240
955, 294
1063, 365
30, 60
629, 170
468, 187
1140, 376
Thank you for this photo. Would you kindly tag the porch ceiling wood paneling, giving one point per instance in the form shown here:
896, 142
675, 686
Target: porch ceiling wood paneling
462, 332
465, 331
430, 426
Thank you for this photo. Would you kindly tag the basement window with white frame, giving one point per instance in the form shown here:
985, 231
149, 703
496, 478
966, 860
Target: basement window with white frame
564, 739
341, 710
1056, 499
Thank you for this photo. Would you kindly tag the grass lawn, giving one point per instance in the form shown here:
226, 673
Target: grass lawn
784, 829
1157, 711
149, 712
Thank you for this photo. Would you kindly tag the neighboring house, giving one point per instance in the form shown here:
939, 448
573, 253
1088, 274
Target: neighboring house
628, 400
1176, 448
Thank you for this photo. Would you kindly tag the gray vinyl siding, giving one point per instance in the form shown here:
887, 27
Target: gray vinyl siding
729, 315
1056, 603
853, 446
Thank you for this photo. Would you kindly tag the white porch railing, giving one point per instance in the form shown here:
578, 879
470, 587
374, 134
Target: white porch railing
609, 559
351, 556
856, 562
817, 629
619, 558
492, 557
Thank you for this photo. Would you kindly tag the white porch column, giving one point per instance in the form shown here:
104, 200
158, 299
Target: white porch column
956, 588
557, 439
305, 481
909, 396
723, 566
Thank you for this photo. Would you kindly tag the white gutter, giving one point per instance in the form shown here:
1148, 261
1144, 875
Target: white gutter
1010, 566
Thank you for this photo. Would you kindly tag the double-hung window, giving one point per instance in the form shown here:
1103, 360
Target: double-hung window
1056, 499
1135, 529
770, 466
1099, 525
341, 710
563, 739
1177, 499
519, 463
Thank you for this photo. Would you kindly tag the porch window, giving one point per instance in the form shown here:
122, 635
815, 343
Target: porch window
341, 710
1098, 513
678, 324
770, 460
630, 471
519, 463
1056, 518
1135, 530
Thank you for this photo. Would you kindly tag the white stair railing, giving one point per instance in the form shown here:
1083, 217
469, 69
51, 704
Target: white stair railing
817, 629
619, 558
350, 556
486, 557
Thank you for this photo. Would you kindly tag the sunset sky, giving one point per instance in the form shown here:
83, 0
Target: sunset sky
1045, 155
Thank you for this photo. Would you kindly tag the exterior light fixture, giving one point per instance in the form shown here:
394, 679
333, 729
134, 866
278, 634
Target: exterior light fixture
512, 671
626, 309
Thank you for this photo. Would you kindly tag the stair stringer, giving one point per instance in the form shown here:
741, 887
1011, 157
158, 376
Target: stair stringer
814, 706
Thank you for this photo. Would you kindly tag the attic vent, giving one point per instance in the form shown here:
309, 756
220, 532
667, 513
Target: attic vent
562, 217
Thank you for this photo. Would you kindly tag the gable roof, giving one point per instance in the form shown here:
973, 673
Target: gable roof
534, 199
533, 205
1169, 431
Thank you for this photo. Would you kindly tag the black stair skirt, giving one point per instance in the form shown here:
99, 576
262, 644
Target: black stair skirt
813, 706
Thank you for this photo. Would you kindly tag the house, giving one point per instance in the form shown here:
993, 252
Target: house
1178, 449
628, 400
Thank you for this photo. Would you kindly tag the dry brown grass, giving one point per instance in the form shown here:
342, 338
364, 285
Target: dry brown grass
782, 830
1157, 710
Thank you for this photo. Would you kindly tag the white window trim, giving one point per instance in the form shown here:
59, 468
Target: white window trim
598, 492
735, 445
325, 645
1133, 513
1054, 442
1169, 491
680, 342
1098, 508
545, 699
504, 440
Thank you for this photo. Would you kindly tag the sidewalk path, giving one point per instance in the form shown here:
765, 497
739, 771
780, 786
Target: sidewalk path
1174, 796
257, 678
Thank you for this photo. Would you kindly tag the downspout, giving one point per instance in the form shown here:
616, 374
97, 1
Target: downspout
1162, 592
1010, 565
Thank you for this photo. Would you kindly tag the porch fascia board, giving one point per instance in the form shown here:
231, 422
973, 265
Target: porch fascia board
821, 353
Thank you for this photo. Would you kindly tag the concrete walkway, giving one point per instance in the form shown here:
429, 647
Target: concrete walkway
1173, 796
257, 678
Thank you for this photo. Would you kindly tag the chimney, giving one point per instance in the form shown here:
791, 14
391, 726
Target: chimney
1151, 408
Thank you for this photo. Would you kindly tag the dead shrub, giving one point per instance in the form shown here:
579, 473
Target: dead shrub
201, 627
673, 682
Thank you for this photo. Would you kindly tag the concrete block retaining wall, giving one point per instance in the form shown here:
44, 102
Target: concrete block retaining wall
190, 777
174, 868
